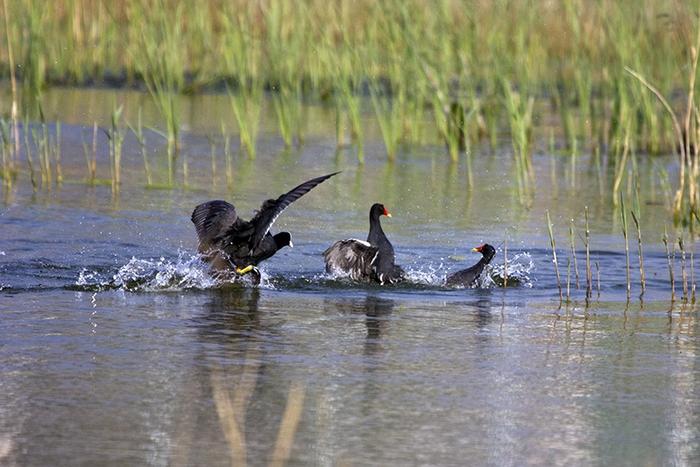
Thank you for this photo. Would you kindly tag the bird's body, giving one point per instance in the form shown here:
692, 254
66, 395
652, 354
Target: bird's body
371, 260
230, 243
467, 277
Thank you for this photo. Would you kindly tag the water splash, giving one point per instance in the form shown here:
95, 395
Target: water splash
520, 268
186, 272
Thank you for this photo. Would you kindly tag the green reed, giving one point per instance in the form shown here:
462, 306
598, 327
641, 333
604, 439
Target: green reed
480, 54
141, 139
520, 111
159, 60
246, 103
115, 134
28, 154
389, 112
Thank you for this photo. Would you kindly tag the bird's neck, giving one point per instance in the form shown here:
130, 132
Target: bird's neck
376, 234
484, 261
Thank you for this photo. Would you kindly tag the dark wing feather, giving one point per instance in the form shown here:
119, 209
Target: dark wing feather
212, 219
352, 257
272, 208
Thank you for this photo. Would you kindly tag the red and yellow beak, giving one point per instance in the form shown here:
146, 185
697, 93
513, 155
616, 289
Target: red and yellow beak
478, 248
387, 213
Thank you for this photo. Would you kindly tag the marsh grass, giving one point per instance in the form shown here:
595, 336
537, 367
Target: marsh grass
115, 134
28, 153
8, 172
246, 104
288, 109
389, 113
141, 139
519, 109
468, 71
228, 157
159, 60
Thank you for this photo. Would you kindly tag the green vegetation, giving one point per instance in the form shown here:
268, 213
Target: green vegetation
472, 68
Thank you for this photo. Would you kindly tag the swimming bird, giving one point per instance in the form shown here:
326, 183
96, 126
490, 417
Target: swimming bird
467, 277
230, 243
371, 260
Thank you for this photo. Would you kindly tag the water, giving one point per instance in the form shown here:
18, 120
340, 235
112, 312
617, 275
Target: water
118, 348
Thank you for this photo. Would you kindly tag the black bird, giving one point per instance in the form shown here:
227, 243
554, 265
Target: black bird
229, 243
467, 277
372, 260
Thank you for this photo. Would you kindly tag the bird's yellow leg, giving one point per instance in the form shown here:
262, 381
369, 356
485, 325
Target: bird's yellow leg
245, 270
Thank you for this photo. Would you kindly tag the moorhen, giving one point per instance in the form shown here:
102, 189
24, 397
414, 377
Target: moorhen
467, 277
227, 242
372, 260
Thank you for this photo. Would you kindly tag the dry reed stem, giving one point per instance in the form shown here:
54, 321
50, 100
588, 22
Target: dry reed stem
642, 276
692, 272
623, 214
670, 265
678, 199
573, 252
684, 276
589, 276
553, 244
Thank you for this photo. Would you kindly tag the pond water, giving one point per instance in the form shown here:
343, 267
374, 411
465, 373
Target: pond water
117, 347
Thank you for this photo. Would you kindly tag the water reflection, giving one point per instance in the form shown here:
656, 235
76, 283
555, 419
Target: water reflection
376, 311
231, 312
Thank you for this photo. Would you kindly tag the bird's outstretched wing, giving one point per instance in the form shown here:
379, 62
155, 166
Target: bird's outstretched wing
212, 219
352, 257
272, 208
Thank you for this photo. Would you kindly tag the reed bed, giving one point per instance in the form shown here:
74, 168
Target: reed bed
473, 67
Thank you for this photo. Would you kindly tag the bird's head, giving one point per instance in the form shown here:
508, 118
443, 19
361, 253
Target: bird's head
487, 250
377, 210
283, 239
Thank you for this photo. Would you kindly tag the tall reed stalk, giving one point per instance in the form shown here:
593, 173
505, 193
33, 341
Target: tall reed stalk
669, 259
589, 275
573, 252
684, 275
640, 253
116, 139
623, 217
553, 244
